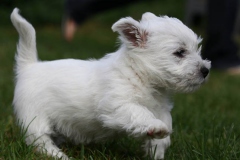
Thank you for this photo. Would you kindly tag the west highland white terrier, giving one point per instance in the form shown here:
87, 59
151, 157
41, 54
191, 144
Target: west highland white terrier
125, 92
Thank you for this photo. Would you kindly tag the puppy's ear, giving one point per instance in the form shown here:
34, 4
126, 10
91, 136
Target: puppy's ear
148, 16
131, 32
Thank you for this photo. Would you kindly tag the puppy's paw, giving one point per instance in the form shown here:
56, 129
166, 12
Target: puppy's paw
159, 131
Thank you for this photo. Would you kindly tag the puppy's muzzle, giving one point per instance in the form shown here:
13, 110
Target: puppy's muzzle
204, 72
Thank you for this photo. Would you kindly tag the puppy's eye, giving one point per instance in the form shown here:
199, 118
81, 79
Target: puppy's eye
179, 53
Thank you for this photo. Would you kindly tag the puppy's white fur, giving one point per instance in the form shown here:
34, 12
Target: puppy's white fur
125, 92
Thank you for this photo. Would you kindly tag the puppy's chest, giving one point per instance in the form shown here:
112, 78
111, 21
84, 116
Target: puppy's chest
156, 102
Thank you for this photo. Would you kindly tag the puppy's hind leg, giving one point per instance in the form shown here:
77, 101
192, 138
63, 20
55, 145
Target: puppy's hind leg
39, 135
46, 145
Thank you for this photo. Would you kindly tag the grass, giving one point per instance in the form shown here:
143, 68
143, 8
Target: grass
205, 123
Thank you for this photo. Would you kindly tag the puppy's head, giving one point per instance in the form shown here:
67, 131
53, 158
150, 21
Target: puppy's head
168, 51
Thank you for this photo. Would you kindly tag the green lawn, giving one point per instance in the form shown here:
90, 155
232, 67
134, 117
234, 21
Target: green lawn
206, 123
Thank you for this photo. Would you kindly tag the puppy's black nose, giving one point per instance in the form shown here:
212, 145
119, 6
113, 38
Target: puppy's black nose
204, 71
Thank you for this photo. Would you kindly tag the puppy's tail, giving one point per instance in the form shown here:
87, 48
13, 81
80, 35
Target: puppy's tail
26, 48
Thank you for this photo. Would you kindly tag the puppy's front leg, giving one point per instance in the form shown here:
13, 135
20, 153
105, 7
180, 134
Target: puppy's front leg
156, 147
136, 120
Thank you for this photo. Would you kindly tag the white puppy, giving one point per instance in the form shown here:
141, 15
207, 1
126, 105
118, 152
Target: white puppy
125, 92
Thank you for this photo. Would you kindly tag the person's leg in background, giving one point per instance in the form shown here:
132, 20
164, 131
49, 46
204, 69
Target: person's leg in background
79, 10
220, 47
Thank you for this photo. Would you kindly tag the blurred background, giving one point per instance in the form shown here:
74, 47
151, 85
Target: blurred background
206, 122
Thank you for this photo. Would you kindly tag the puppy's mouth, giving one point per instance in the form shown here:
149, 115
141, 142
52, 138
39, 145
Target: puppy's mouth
195, 85
197, 81
197, 78
190, 87
191, 84
188, 82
